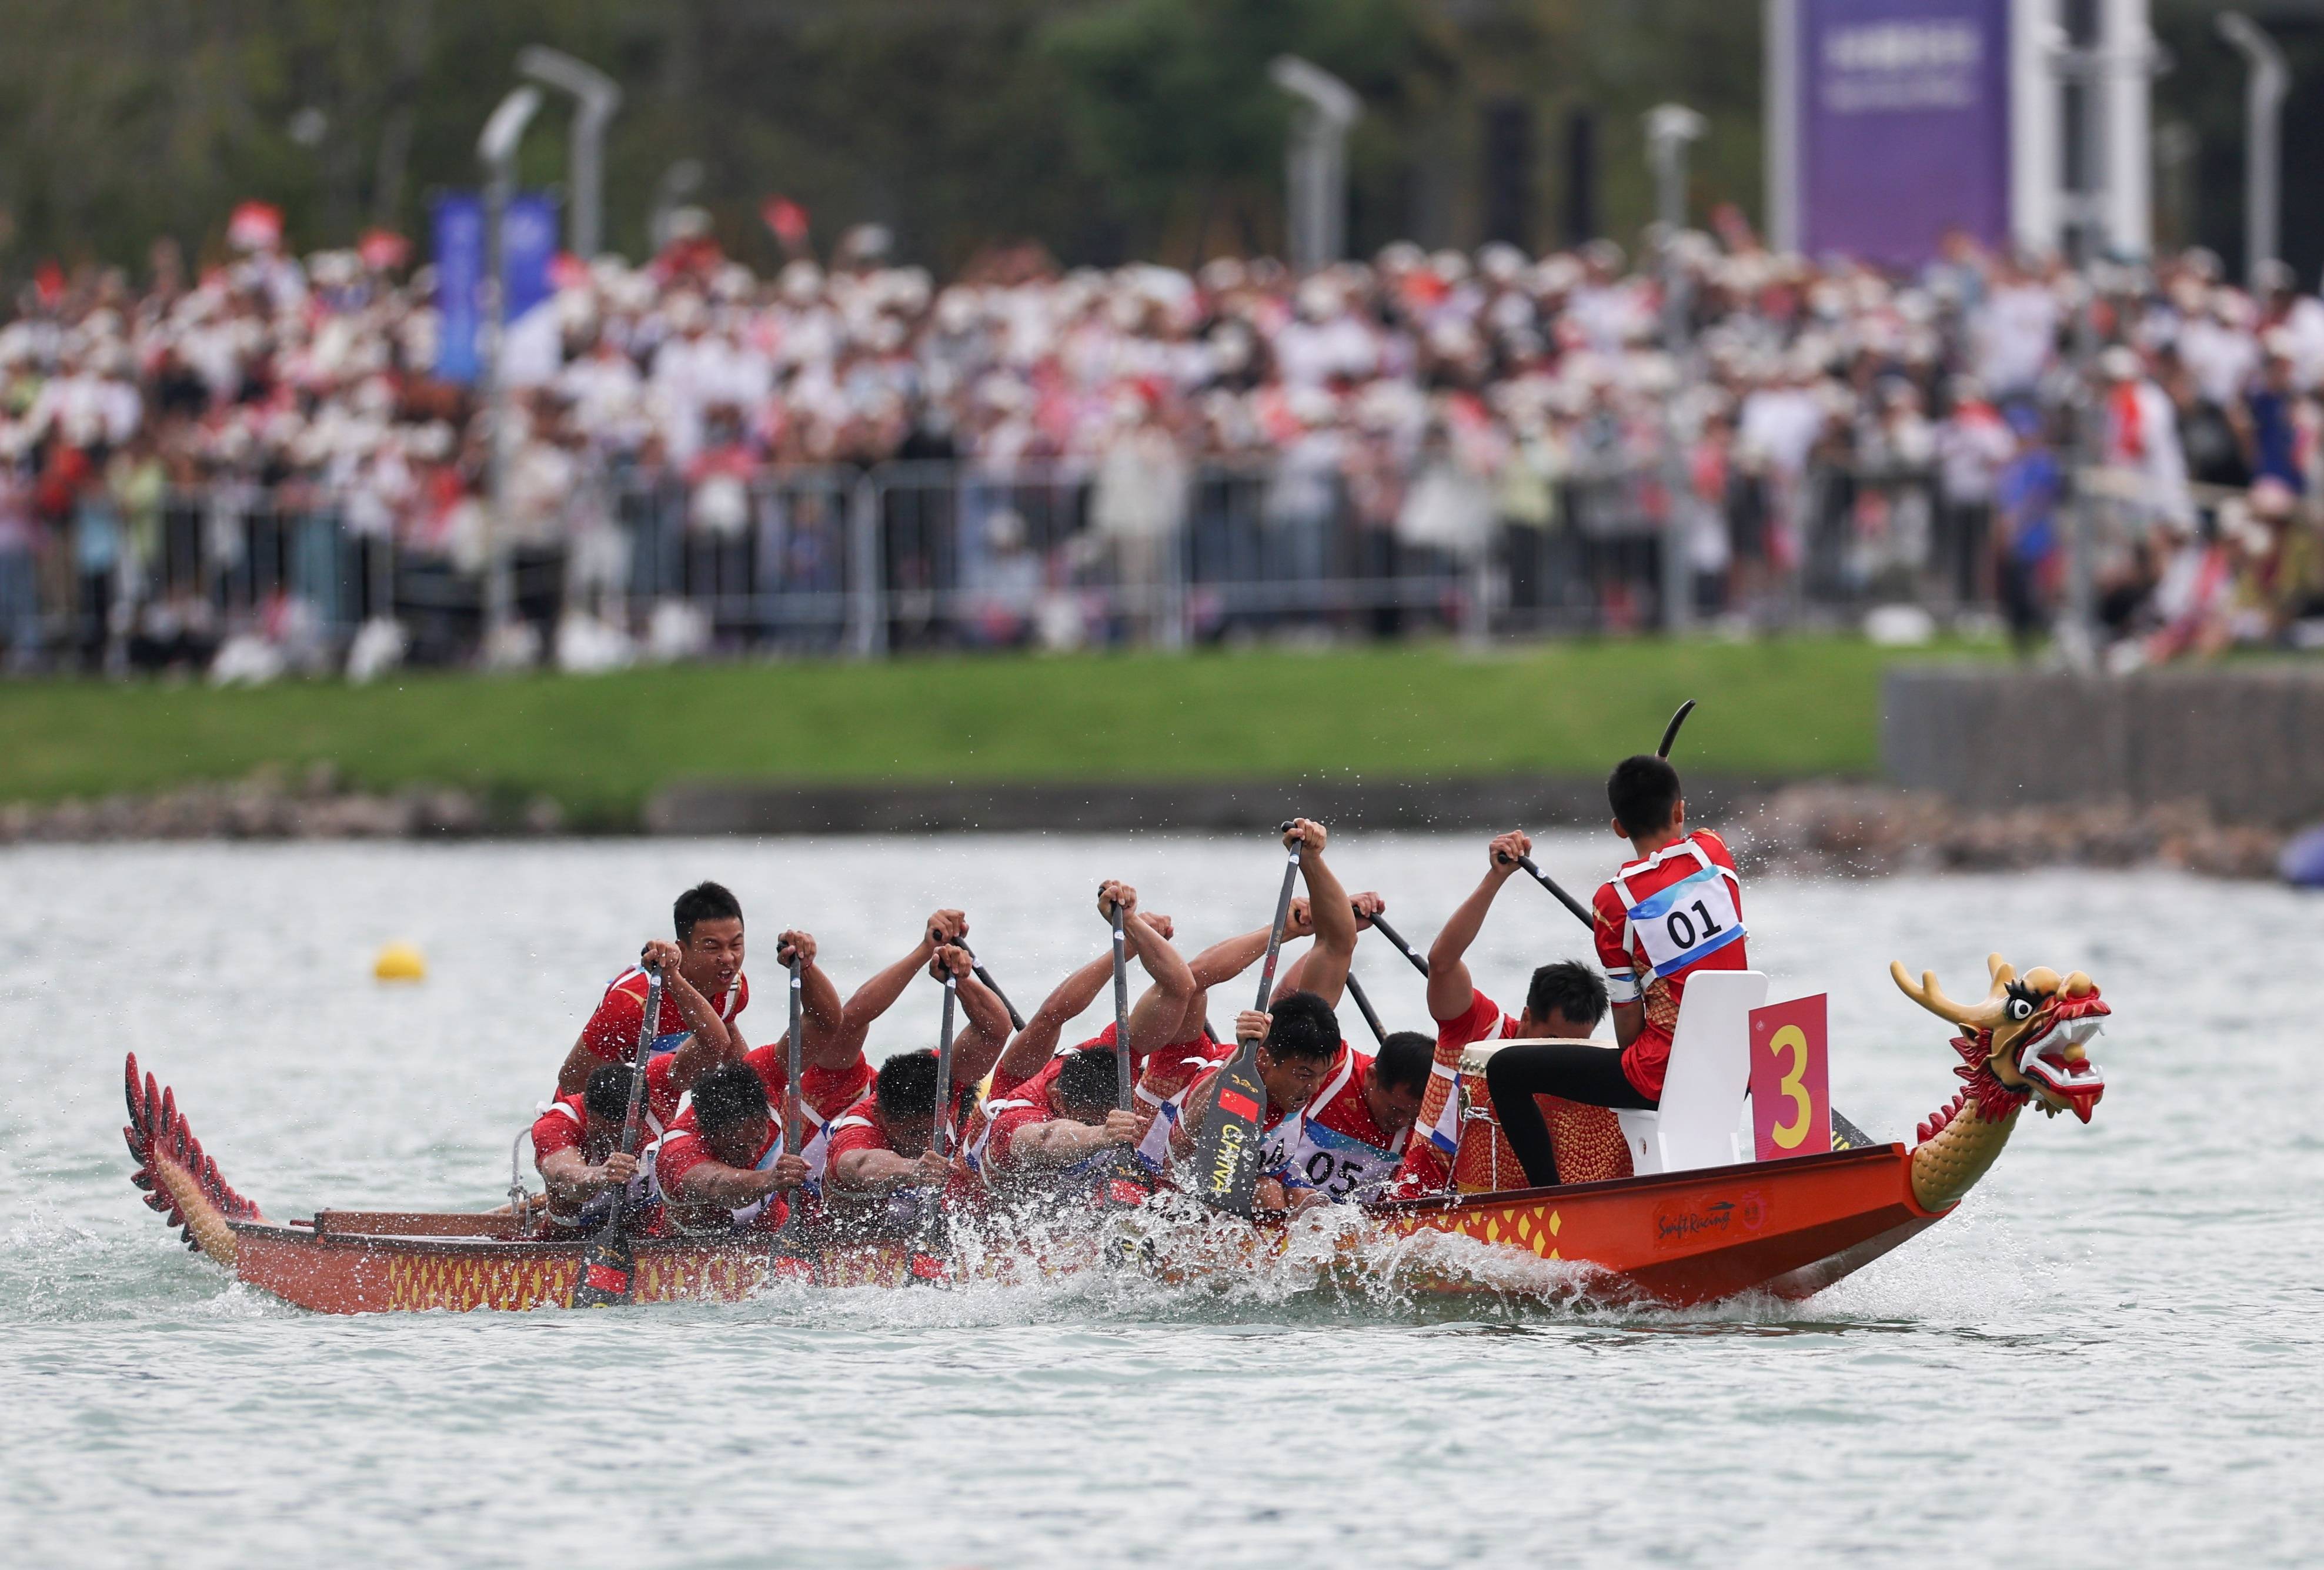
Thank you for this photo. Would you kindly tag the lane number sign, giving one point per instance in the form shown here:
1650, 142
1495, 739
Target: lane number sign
1791, 1081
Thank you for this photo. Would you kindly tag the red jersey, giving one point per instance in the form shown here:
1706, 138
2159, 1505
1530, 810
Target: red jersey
864, 1127
612, 1032
993, 1130
823, 1093
1428, 1157
682, 1149
1658, 920
565, 1127
1171, 1070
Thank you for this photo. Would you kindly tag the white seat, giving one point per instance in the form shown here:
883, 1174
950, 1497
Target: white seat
1709, 1075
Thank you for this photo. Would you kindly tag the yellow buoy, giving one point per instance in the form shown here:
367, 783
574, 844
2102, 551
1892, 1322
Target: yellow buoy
399, 962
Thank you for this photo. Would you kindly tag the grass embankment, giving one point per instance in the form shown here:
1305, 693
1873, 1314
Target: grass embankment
600, 745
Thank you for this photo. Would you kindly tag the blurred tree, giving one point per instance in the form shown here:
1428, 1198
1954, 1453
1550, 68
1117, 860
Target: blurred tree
1104, 128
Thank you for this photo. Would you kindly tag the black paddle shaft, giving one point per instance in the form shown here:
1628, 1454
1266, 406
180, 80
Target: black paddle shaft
609, 1270
793, 1065
634, 1119
1580, 912
1275, 933
1364, 1005
1380, 926
937, 1141
1122, 1086
976, 965
1225, 1168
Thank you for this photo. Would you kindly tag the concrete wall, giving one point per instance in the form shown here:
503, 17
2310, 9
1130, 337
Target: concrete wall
2248, 742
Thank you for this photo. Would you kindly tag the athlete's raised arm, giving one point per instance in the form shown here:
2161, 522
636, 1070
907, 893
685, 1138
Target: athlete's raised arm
1450, 989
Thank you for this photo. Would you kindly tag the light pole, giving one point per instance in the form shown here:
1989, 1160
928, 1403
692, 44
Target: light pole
2264, 93
496, 150
595, 96
1669, 128
1316, 162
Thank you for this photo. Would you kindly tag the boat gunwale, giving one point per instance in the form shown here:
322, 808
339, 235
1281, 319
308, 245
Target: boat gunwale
1643, 1183
309, 1235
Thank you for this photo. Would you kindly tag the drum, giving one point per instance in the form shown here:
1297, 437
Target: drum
1588, 1140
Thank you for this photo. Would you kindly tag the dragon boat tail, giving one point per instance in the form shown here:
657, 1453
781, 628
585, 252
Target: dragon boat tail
1786, 1228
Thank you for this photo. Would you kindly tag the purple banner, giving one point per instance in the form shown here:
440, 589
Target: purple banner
1903, 124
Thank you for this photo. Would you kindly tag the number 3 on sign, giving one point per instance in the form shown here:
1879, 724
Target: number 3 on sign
1791, 1081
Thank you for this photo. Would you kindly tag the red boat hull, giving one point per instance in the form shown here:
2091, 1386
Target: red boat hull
1789, 1228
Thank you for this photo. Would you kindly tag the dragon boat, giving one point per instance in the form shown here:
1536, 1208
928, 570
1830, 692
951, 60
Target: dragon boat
1674, 1231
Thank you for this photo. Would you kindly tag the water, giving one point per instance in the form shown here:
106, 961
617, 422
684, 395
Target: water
2111, 1356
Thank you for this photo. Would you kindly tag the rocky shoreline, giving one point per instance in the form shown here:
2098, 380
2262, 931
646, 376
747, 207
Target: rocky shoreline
1872, 830
1827, 827
271, 805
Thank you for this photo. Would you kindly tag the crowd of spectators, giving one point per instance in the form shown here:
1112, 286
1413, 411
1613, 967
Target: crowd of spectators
1831, 433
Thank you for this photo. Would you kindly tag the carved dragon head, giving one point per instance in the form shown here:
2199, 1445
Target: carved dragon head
2024, 1041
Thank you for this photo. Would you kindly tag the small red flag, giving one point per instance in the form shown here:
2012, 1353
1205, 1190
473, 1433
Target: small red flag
1241, 1105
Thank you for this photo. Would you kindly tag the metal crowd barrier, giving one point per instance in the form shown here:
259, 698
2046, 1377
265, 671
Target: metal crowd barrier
973, 554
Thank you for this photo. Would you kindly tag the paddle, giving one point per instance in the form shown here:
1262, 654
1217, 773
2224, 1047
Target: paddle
1670, 731
939, 1136
786, 1246
1226, 1157
1121, 1088
1016, 1020
927, 1264
1364, 1004
793, 1065
1355, 987
1580, 912
609, 1270
1380, 926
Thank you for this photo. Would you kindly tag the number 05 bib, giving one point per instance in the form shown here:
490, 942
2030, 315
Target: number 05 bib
1686, 922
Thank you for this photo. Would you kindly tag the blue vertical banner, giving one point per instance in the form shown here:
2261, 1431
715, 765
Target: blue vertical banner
1903, 124
458, 221
528, 246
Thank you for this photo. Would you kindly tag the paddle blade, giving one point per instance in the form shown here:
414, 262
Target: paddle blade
1225, 1168
609, 1273
1670, 731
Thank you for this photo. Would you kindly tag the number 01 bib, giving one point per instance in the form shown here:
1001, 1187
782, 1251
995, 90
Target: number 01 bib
1686, 922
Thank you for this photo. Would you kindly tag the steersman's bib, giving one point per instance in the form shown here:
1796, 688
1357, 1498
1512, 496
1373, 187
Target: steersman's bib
1686, 922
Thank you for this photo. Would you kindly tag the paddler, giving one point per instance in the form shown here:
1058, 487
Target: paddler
1347, 1140
882, 1145
1299, 1046
576, 1149
722, 1168
1156, 1023
1167, 1073
834, 1074
1674, 909
1564, 1000
1058, 1134
704, 990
